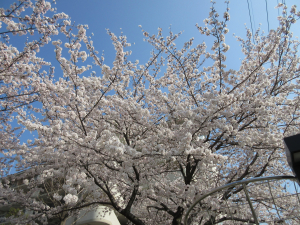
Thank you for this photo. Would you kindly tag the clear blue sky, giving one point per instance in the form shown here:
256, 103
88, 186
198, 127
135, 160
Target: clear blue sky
151, 14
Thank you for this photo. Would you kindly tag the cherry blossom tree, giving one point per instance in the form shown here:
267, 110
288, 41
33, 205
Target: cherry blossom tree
144, 139
18, 68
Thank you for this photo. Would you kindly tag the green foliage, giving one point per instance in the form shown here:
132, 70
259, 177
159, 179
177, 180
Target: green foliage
13, 212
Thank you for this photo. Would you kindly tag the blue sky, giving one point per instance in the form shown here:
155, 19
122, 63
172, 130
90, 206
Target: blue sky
151, 14
182, 15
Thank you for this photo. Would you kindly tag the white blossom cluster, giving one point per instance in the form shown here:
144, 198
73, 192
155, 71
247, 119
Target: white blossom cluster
70, 199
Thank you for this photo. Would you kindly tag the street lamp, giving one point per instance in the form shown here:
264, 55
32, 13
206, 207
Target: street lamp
292, 149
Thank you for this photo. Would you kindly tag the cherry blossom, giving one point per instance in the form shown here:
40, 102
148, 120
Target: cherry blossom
146, 139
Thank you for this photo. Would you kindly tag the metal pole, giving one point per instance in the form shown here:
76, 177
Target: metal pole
250, 204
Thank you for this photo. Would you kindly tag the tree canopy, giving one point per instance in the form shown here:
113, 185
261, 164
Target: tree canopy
147, 139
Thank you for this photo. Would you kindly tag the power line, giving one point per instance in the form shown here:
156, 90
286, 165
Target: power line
267, 15
250, 20
283, 2
252, 13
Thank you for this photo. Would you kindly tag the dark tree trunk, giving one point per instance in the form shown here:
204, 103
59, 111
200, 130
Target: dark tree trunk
178, 216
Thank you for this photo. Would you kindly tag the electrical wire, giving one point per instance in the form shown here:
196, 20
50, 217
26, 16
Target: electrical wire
250, 20
252, 13
267, 15
283, 2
